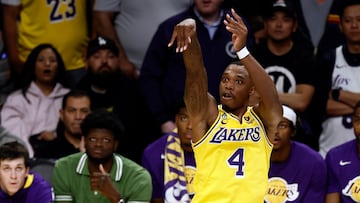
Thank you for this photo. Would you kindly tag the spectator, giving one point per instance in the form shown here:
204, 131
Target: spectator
75, 107
132, 24
171, 163
304, 180
32, 112
17, 183
343, 165
109, 88
288, 63
29, 23
162, 75
340, 80
230, 141
99, 175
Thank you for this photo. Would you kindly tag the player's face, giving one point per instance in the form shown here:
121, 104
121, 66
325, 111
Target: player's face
76, 109
356, 123
350, 24
103, 61
283, 135
100, 144
46, 66
12, 175
208, 7
235, 87
184, 128
279, 26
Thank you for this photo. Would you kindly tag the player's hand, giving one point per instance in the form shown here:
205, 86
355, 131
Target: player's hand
182, 34
239, 31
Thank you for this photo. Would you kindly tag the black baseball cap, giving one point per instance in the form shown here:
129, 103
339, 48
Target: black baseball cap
281, 5
101, 42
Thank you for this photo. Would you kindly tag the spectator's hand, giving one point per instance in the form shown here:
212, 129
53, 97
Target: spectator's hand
183, 32
101, 182
47, 136
236, 26
127, 68
168, 127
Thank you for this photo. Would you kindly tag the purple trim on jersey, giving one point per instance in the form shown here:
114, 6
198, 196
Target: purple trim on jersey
153, 161
343, 164
39, 191
306, 168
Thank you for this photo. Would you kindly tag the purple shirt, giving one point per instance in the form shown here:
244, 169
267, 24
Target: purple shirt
153, 161
300, 179
39, 191
343, 165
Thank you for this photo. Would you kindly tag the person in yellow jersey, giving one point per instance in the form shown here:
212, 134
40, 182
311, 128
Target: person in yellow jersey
28, 23
231, 141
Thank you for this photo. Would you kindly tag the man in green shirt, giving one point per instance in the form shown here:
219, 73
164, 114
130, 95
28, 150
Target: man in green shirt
99, 175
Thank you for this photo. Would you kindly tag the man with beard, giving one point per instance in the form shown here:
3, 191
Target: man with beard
99, 175
109, 88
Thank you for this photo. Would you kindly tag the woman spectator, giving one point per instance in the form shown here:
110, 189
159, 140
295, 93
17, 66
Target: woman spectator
32, 112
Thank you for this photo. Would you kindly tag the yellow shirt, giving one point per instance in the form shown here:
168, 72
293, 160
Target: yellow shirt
61, 23
232, 160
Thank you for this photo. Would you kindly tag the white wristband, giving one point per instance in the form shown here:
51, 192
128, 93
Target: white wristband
242, 53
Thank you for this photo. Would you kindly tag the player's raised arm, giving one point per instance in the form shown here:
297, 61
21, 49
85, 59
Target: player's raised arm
196, 97
269, 108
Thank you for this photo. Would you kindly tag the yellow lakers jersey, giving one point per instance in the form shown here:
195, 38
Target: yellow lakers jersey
59, 22
232, 160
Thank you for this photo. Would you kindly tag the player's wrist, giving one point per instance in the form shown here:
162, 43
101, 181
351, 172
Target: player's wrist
244, 52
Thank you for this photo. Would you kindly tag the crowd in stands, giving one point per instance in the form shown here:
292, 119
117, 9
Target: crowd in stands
104, 90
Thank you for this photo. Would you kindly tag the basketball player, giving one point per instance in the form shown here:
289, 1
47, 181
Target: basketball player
231, 140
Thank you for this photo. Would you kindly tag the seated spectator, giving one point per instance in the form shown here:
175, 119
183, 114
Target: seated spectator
99, 175
304, 179
17, 183
32, 112
343, 165
109, 88
339, 86
172, 154
69, 140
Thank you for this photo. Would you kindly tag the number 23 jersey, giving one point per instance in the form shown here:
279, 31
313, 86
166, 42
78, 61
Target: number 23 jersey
232, 160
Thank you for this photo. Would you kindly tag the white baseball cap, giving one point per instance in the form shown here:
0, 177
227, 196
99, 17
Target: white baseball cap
289, 114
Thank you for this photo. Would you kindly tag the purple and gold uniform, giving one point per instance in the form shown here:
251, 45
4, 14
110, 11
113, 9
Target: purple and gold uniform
297, 180
343, 164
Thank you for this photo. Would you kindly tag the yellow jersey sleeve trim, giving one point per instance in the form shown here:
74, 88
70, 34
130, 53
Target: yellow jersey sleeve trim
262, 126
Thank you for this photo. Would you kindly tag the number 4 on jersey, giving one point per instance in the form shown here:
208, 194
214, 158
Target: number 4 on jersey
237, 161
